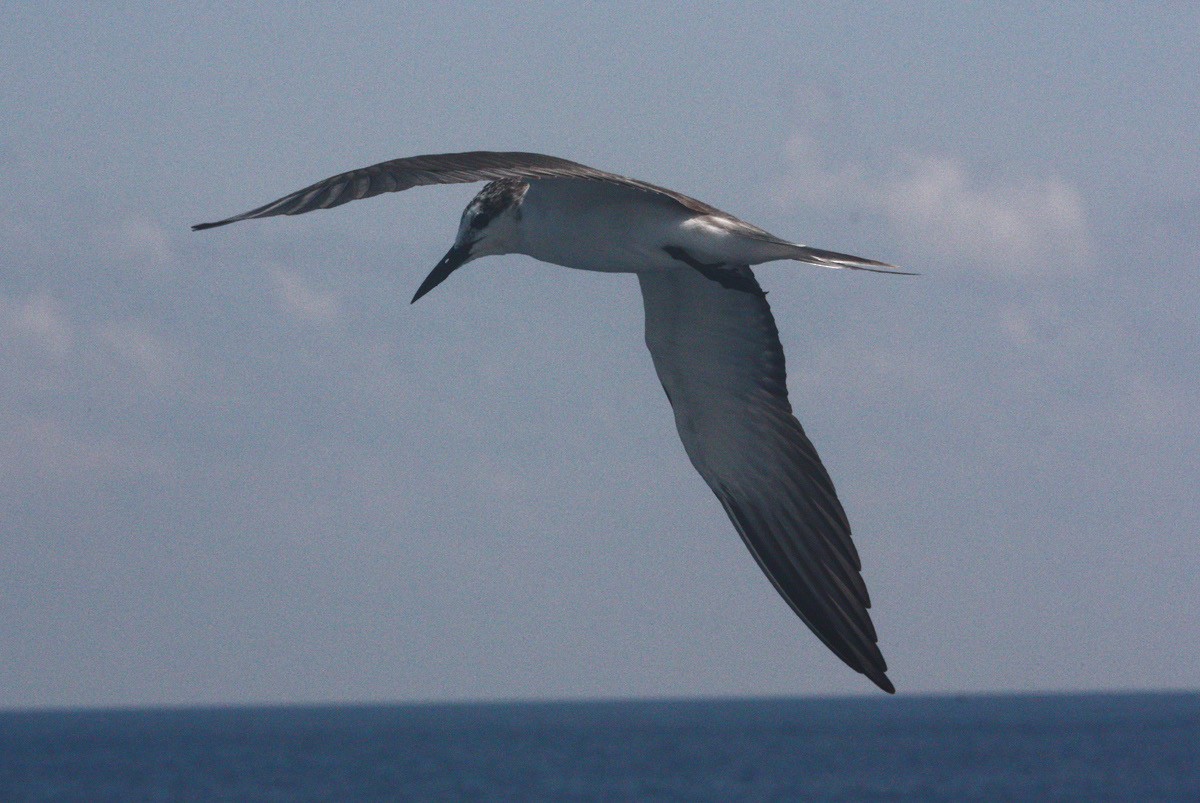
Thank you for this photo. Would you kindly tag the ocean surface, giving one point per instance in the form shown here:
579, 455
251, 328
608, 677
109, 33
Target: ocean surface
1051, 747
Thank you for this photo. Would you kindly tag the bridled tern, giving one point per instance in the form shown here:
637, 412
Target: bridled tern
711, 337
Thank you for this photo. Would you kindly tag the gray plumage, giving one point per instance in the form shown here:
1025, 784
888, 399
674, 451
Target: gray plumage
710, 333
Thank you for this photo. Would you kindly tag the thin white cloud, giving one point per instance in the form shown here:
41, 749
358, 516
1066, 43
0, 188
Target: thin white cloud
151, 359
138, 241
40, 342
38, 319
43, 447
1034, 226
55, 363
295, 296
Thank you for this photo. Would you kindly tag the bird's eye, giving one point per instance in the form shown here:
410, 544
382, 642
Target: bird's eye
480, 220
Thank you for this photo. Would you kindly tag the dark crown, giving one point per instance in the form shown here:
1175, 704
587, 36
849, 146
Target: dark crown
496, 196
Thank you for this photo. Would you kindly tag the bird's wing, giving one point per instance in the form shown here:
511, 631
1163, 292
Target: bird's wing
718, 355
449, 168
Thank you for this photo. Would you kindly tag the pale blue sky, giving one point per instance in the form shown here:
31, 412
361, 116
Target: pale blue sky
237, 466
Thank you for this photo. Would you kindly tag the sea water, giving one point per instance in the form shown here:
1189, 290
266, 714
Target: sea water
1046, 747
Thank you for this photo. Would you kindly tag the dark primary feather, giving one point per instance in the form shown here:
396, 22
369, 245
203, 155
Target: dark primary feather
447, 168
718, 355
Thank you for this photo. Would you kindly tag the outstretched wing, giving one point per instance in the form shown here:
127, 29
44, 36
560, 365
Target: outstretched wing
718, 355
444, 168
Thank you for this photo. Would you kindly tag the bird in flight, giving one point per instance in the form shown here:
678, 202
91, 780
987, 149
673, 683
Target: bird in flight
711, 336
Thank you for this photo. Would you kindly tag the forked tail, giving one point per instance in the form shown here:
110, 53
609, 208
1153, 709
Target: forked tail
832, 259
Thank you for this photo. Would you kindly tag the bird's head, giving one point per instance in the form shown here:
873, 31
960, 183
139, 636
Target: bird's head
488, 226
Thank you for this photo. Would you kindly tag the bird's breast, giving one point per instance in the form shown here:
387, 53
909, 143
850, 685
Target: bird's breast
591, 225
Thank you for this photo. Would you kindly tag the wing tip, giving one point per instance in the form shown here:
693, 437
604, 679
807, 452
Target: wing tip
881, 680
203, 226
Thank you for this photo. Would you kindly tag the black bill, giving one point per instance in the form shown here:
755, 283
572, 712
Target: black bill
455, 258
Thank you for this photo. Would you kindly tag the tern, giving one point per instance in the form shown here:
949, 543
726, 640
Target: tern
711, 336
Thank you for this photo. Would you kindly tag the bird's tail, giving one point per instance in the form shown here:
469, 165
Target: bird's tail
836, 261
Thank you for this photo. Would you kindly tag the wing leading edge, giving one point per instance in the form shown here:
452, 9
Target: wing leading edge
445, 168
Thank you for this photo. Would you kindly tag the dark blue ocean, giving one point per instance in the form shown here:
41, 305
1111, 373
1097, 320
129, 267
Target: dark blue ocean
1052, 747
